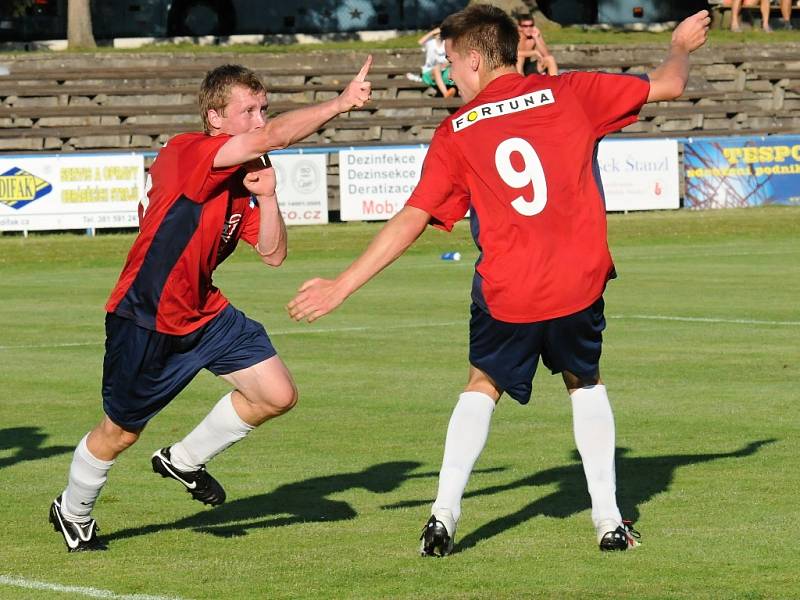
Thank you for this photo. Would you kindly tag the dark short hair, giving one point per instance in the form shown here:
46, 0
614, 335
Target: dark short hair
485, 29
215, 91
525, 17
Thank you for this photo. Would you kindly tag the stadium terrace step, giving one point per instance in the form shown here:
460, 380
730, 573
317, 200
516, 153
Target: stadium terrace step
64, 102
196, 73
191, 109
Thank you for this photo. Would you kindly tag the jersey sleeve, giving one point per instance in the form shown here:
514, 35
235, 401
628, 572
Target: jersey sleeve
440, 191
610, 101
201, 180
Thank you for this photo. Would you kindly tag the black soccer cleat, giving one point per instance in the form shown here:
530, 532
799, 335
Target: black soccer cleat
200, 484
435, 539
79, 537
623, 537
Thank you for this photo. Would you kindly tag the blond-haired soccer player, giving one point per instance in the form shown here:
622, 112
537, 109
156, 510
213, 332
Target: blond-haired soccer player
166, 320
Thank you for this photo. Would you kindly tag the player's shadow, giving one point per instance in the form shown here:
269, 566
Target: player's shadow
299, 502
640, 478
26, 444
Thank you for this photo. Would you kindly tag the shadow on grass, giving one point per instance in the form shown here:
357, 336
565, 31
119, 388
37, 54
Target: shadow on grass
27, 441
640, 478
300, 502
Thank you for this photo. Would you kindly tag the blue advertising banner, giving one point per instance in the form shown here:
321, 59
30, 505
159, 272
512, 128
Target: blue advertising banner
742, 171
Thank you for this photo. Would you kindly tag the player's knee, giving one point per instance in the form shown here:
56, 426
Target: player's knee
126, 439
278, 399
115, 439
286, 400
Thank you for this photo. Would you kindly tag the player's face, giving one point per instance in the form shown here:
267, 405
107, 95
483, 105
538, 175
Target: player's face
246, 111
462, 72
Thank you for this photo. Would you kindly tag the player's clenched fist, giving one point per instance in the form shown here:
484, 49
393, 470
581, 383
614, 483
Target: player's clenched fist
315, 298
259, 177
358, 91
692, 32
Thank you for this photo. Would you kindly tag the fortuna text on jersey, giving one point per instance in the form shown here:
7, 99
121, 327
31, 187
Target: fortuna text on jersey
503, 107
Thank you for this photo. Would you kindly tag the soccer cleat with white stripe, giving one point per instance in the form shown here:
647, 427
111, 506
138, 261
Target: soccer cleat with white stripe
200, 484
616, 537
79, 537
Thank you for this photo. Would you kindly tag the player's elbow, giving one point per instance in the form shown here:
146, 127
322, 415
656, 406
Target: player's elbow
274, 259
666, 88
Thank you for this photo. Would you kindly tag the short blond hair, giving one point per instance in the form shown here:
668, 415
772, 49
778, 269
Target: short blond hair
215, 91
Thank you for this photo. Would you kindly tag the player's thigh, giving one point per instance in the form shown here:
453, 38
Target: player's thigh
574, 343
142, 372
508, 353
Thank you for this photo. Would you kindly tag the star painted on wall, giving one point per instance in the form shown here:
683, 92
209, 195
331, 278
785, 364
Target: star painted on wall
355, 13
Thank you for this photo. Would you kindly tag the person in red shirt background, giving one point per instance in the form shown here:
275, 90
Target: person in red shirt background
166, 320
520, 156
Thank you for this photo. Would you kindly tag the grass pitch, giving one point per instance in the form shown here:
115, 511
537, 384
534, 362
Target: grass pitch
701, 360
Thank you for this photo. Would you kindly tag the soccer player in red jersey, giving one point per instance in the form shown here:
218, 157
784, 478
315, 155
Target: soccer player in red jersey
519, 155
166, 320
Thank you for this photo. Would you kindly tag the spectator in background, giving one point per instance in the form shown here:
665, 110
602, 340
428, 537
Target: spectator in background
786, 13
532, 53
436, 70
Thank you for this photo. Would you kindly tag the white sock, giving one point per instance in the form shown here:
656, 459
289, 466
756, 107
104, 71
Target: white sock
87, 476
593, 424
466, 437
220, 429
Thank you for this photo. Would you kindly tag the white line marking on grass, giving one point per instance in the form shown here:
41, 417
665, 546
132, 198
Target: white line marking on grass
704, 320
59, 345
308, 330
312, 330
30, 584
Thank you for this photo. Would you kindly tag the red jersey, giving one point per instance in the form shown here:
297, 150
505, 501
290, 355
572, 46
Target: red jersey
195, 216
521, 157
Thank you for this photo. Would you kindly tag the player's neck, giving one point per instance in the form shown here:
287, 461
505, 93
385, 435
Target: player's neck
489, 76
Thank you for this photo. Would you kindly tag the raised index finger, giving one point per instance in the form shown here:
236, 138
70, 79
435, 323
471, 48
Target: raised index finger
362, 74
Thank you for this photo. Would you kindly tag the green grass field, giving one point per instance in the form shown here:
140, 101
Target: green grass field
701, 359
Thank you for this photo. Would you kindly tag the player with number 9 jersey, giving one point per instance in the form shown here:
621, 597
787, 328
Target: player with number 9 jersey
520, 157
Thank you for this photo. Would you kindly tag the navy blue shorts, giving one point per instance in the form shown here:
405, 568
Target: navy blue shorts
509, 352
144, 370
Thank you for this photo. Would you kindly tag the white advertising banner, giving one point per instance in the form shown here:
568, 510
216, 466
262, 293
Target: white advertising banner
374, 183
639, 174
70, 191
302, 188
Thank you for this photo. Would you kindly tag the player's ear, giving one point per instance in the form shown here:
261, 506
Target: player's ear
214, 118
475, 60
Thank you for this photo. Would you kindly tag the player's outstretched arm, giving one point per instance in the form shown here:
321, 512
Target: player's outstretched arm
668, 80
317, 297
295, 125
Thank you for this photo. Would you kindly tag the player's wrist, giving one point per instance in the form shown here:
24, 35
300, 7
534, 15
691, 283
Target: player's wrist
265, 198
